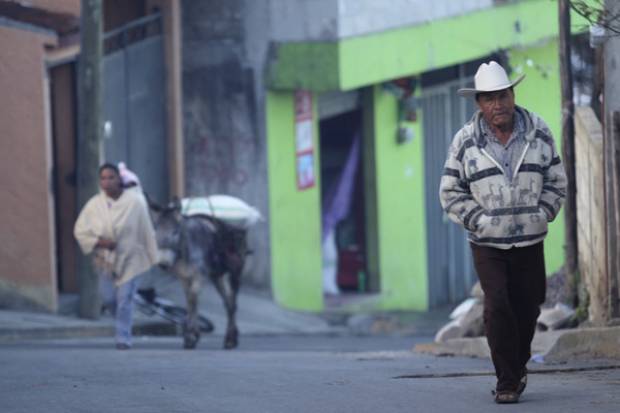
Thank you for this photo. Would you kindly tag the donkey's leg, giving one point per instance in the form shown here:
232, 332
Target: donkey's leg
235, 281
191, 329
226, 291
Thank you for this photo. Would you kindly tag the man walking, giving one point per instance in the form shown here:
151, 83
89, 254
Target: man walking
503, 182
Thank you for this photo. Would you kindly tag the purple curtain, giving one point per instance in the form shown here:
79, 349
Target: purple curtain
337, 202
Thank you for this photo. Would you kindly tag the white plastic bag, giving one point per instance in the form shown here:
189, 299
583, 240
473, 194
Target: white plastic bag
330, 265
463, 308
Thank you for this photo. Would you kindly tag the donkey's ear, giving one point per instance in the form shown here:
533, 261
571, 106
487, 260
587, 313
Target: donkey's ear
151, 203
175, 207
175, 204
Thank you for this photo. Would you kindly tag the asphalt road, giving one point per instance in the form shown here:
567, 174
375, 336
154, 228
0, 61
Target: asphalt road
275, 374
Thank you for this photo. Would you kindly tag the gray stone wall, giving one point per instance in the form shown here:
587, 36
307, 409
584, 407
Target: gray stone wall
225, 149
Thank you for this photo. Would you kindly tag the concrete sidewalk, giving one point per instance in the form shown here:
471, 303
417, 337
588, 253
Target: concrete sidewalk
257, 315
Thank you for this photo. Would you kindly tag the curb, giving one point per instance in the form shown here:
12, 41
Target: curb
62, 332
592, 342
553, 346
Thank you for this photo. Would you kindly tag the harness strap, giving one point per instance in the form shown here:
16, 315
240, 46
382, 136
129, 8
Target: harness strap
183, 250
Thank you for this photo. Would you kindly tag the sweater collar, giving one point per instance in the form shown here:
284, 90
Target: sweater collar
480, 138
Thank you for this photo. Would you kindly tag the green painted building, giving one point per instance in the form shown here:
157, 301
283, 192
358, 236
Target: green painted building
401, 261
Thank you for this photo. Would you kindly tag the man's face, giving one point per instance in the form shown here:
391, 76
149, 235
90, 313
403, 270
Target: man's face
497, 107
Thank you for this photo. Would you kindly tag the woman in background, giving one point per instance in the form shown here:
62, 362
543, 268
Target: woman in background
116, 228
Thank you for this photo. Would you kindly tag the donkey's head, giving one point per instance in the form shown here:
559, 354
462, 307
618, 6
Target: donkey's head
167, 221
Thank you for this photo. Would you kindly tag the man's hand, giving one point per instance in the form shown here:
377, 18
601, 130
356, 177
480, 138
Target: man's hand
106, 244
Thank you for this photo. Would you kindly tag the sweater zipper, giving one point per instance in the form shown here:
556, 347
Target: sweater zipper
514, 173
493, 160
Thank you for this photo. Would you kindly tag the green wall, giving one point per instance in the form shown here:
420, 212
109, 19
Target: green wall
540, 93
400, 209
295, 216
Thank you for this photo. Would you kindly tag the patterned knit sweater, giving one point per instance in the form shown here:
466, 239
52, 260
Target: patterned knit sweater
498, 210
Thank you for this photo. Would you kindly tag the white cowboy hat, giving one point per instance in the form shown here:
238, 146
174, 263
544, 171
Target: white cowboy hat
490, 77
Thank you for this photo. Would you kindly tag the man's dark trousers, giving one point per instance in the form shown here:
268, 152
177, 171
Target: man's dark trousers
514, 283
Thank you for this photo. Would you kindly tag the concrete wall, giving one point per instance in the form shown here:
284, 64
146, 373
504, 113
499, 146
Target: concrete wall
612, 63
611, 104
224, 46
591, 212
27, 259
307, 20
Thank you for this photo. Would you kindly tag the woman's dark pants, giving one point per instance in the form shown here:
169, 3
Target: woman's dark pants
514, 283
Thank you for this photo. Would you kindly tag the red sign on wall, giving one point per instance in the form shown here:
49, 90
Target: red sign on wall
304, 143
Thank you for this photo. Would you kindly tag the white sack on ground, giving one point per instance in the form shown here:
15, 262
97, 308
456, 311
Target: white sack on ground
554, 318
467, 322
463, 308
330, 265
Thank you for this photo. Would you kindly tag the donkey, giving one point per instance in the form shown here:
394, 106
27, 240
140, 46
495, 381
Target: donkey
196, 247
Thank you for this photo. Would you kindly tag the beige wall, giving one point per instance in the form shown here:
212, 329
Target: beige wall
591, 212
27, 261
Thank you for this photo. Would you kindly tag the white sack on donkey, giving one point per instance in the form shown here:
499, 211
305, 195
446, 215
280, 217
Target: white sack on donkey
233, 211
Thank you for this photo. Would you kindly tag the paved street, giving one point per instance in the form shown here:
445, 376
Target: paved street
280, 374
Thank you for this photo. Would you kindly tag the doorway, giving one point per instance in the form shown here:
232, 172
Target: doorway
63, 97
343, 199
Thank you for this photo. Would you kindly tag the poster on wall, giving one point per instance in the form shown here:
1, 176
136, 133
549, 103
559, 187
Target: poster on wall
304, 146
305, 171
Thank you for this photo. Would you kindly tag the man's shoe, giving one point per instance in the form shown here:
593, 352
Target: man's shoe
122, 346
506, 397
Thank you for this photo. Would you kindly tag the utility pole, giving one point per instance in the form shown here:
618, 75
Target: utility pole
568, 149
89, 137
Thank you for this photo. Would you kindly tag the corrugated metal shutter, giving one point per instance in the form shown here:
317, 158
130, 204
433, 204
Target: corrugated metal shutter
134, 107
450, 269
